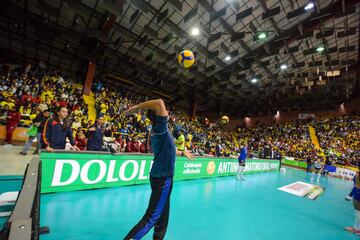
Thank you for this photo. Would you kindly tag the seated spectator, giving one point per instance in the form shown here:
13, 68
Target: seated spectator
4, 110
76, 124
133, 146
80, 140
9, 101
119, 143
26, 98
25, 110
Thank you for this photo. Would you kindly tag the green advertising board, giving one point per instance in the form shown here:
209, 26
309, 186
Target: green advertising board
294, 163
73, 171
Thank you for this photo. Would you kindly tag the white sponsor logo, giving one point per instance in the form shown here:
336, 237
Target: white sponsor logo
192, 168
94, 171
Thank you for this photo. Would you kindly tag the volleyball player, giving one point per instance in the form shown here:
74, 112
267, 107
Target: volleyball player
241, 160
355, 197
161, 174
317, 169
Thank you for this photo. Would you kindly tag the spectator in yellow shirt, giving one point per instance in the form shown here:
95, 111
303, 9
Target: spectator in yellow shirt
25, 110
103, 108
180, 142
188, 142
8, 102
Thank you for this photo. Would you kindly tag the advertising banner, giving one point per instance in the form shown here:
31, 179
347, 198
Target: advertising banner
345, 173
71, 171
306, 115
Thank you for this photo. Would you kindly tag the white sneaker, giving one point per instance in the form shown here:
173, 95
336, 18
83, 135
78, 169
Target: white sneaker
348, 198
8, 146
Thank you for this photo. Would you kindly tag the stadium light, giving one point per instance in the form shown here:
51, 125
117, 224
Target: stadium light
320, 49
283, 66
227, 58
195, 31
254, 80
262, 35
309, 6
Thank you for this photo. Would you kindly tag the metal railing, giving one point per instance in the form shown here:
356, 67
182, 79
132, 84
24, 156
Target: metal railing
23, 223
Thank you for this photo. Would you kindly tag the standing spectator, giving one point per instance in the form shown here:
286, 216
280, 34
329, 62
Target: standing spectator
96, 134
308, 164
55, 132
218, 149
180, 142
13, 120
39, 121
89, 124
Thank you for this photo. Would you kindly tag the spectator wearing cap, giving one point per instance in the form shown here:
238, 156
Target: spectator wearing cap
39, 121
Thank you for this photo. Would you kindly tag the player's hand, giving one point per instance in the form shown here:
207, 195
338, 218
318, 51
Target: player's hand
92, 129
348, 198
49, 149
129, 111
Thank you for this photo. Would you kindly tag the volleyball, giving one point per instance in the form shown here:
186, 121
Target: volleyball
224, 119
186, 58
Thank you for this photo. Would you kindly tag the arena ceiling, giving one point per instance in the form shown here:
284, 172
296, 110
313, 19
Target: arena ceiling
134, 45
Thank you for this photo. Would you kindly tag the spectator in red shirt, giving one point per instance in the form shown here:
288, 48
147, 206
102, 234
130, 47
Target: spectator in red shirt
142, 148
26, 98
133, 146
13, 120
63, 102
80, 140
119, 142
36, 100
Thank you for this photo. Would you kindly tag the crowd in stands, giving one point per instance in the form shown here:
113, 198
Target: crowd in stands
30, 97
24, 95
340, 138
216, 139
131, 134
279, 140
